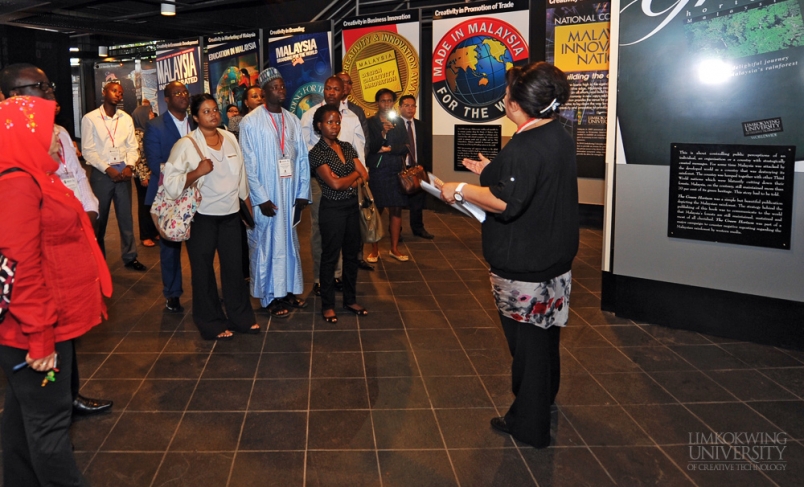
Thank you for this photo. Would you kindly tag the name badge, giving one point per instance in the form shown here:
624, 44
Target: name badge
71, 183
285, 168
114, 155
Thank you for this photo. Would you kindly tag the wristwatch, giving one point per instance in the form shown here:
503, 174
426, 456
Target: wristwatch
458, 195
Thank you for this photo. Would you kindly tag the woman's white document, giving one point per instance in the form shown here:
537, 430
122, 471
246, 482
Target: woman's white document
466, 208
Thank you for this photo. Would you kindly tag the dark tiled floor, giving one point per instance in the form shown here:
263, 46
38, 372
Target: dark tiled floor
403, 396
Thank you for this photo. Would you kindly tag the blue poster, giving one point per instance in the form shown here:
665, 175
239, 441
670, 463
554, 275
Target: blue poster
178, 61
233, 61
302, 53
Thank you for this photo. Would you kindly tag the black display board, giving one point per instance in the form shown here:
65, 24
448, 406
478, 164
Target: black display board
471, 139
740, 194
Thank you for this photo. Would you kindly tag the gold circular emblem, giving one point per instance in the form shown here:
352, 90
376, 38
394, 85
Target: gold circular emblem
381, 59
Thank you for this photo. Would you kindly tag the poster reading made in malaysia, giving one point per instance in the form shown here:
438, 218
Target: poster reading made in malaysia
382, 51
234, 64
303, 54
178, 61
578, 44
473, 47
709, 73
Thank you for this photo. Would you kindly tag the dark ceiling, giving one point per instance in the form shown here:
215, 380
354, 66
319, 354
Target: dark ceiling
94, 22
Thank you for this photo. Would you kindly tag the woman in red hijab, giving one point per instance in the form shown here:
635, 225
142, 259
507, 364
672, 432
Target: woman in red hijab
57, 295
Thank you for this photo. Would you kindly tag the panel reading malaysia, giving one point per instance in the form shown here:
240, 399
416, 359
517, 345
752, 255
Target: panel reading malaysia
740, 194
471, 139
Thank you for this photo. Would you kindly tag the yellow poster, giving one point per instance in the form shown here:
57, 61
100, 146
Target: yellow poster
582, 47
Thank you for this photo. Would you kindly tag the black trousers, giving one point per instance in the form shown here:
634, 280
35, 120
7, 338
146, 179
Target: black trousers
210, 234
535, 376
35, 428
339, 224
416, 206
148, 230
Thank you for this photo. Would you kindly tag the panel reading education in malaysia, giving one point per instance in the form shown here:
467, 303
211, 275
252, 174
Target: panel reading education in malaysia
741, 194
473, 139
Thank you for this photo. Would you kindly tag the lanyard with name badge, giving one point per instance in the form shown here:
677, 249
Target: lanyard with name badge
285, 166
68, 179
114, 152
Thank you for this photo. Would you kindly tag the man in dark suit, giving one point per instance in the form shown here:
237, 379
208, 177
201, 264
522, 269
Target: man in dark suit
162, 133
419, 145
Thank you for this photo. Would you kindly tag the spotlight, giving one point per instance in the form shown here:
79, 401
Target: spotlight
103, 51
168, 9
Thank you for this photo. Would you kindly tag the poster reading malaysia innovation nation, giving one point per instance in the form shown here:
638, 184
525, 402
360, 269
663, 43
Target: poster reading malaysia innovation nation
709, 72
578, 44
382, 51
473, 47
234, 64
303, 54
178, 61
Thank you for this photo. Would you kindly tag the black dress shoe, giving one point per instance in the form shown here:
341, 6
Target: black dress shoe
424, 234
499, 424
362, 264
85, 405
317, 289
136, 265
338, 285
173, 305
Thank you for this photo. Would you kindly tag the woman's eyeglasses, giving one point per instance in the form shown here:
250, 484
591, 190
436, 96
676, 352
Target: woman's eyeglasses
42, 85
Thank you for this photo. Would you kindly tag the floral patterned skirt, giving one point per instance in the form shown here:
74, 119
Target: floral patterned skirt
543, 304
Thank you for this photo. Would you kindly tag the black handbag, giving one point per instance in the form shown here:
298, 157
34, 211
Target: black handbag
245, 215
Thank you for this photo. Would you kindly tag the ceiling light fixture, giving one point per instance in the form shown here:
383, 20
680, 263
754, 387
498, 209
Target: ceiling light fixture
103, 51
168, 8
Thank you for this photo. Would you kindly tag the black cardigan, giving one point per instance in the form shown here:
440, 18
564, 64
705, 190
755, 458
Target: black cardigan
536, 238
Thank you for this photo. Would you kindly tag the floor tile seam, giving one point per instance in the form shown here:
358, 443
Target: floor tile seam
585, 445
248, 404
617, 403
309, 399
368, 398
427, 393
183, 413
786, 350
725, 350
125, 408
800, 398
704, 372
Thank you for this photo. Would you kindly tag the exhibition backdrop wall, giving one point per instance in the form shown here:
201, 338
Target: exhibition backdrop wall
708, 116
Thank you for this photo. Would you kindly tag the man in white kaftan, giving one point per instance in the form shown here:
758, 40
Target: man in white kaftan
278, 172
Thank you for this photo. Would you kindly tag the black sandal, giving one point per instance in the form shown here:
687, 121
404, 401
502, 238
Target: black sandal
295, 302
329, 319
222, 336
358, 311
277, 309
252, 330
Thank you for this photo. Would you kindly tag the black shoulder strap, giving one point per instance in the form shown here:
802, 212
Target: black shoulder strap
9, 170
16, 169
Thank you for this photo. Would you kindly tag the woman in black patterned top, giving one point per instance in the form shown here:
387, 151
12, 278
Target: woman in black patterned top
339, 171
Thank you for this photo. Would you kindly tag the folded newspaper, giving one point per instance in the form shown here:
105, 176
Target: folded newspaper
466, 208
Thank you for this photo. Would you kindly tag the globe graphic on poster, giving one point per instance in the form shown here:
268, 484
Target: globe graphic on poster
476, 70
307, 103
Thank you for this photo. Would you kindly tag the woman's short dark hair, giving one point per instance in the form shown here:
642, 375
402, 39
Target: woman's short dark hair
244, 97
197, 100
322, 111
232, 105
383, 91
539, 88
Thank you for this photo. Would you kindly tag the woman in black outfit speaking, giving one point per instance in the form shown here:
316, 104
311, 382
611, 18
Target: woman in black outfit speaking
530, 237
339, 171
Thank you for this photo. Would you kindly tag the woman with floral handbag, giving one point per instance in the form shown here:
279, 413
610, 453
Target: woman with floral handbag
210, 159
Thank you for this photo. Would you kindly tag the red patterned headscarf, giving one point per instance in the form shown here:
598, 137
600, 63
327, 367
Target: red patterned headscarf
26, 131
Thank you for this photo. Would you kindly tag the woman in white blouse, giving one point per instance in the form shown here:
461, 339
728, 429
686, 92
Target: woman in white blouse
221, 178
